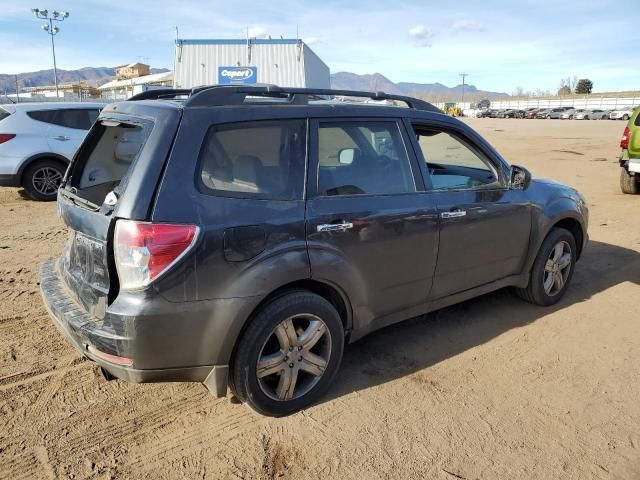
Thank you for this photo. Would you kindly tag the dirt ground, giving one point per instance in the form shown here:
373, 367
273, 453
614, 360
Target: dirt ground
493, 388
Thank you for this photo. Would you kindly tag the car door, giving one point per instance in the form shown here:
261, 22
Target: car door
371, 227
69, 126
484, 225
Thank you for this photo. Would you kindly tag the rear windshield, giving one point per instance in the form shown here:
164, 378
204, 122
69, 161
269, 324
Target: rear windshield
106, 156
3, 114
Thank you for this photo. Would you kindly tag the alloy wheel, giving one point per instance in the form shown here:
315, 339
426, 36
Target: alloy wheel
294, 357
557, 268
46, 180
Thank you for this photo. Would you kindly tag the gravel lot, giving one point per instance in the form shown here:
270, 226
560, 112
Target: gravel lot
492, 388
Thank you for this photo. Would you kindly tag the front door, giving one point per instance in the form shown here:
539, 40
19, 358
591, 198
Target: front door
371, 227
484, 225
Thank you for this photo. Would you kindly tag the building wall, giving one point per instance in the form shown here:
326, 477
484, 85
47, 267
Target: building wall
287, 63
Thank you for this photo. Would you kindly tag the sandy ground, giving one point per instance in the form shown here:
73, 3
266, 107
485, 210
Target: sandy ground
492, 388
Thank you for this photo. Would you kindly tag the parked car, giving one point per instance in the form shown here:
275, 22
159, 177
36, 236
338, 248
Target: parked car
511, 113
630, 155
496, 113
37, 142
532, 113
570, 114
245, 246
623, 113
591, 115
556, 113
543, 113
486, 113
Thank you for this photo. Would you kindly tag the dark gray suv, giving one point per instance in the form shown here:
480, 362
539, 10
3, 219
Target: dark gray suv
241, 236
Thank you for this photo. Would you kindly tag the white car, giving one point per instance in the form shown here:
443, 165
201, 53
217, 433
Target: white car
570, 114
591, 115
37, 142
623, 113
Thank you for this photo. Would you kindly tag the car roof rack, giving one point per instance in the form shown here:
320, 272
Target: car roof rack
226, 95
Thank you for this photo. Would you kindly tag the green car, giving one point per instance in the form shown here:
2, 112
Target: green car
630, 157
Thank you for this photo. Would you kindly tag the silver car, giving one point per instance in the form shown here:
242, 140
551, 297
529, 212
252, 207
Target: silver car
591, 115
37, 142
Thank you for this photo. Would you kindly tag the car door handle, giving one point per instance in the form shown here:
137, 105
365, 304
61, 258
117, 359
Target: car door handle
334, 227
62, 138
453, 214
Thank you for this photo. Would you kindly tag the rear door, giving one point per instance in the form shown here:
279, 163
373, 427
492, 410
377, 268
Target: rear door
116, 147
68, 128
484, 225
371, 228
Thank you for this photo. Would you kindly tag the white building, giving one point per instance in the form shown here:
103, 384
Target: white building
282, 62
124, 89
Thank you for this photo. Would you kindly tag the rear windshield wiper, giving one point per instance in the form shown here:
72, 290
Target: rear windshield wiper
79, 200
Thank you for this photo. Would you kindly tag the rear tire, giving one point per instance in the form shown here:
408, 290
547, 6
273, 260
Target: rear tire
289, 354
628, 183
625, 117
552, 269
42, 178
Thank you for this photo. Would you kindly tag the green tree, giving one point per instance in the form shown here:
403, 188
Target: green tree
584, 86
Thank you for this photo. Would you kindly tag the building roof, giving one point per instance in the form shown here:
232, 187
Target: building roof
144, 80
131, 65
238, 41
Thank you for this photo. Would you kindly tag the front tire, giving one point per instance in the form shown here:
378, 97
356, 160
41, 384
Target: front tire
628, 183
42, 178
552, 269
289, 354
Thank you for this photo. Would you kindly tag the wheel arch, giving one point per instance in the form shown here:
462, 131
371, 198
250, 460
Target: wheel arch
40, 156
330, 292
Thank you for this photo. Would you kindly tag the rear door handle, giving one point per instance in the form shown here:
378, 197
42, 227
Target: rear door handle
454, 214
62, 138
334, 227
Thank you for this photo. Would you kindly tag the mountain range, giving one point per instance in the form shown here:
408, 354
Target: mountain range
93, 76
96, 76
432, 91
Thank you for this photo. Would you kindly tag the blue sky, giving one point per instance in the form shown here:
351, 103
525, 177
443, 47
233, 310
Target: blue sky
501, 44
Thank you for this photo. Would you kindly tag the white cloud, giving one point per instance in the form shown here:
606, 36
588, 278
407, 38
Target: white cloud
311, 40
467, 25
421, 34
257, 31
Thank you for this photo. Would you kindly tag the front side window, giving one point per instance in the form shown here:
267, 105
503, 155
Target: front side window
452, 164
362, 158
262, 159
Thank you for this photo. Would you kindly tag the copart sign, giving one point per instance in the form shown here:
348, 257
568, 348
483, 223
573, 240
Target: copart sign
237, 75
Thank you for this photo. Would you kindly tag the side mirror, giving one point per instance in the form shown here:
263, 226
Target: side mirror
346, 155
520, 177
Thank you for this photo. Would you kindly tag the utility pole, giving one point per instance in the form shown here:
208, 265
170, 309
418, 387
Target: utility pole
51, 30
463, 75
17, 91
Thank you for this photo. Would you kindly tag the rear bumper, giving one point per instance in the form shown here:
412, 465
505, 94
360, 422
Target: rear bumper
142, 338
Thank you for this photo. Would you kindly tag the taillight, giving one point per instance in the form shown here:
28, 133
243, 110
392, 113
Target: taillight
144, 251
5, 137
624, 141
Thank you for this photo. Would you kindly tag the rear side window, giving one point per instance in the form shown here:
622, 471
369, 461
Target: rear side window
263, 159
3, 114
362, 158
46, 116
77, 118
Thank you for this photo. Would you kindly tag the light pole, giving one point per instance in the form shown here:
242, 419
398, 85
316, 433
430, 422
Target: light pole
463, 75
51, 30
